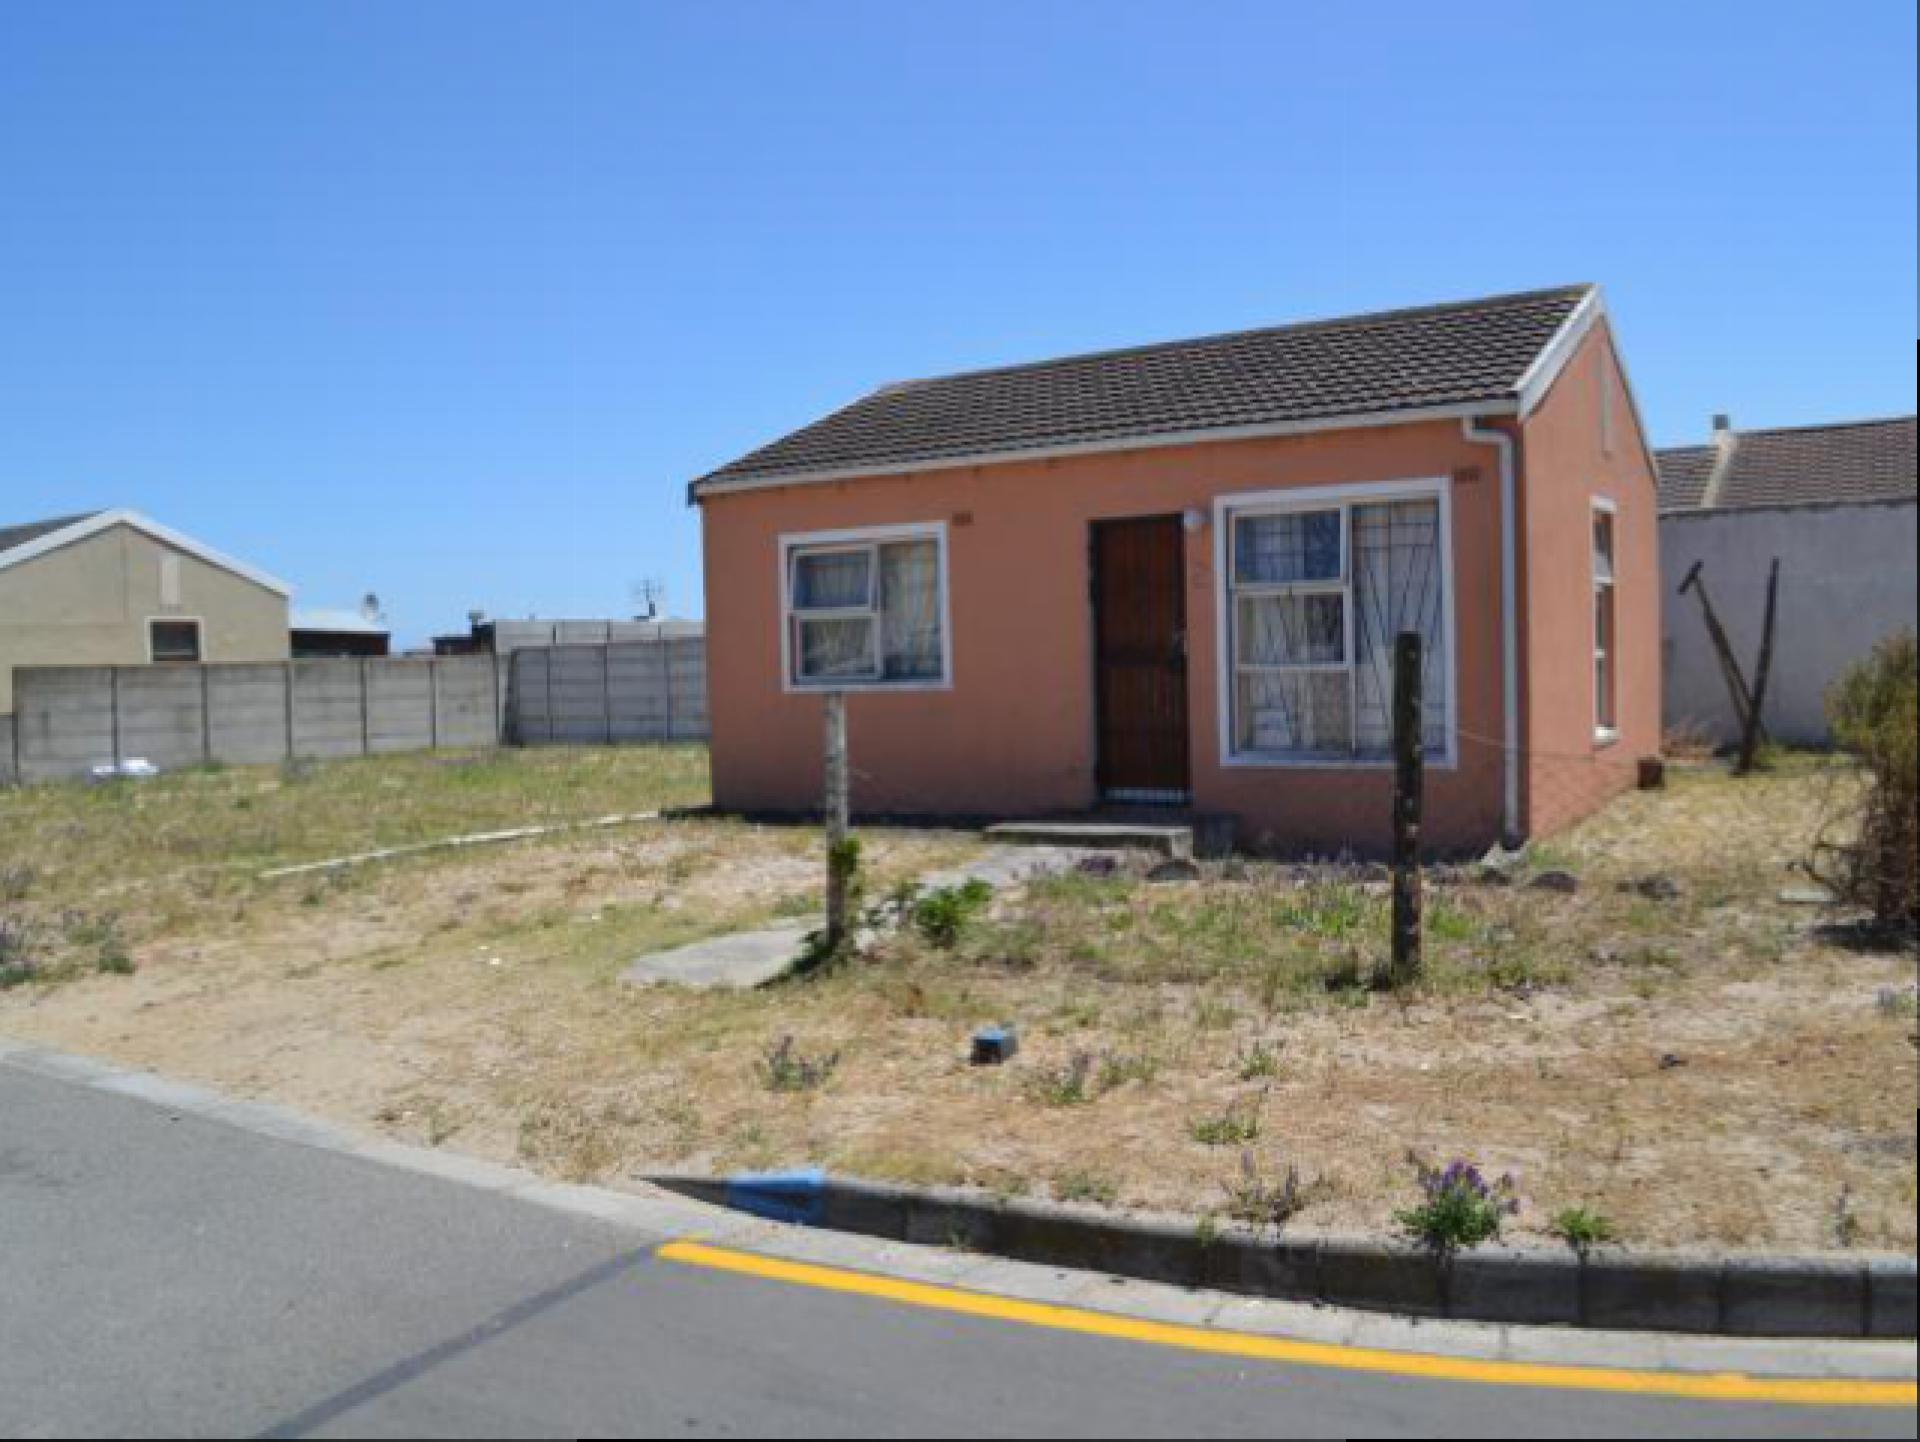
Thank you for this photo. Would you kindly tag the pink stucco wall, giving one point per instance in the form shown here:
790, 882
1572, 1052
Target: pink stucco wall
1568, 466
1014, 736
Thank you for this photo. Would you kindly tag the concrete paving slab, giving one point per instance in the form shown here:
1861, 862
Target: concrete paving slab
744, 959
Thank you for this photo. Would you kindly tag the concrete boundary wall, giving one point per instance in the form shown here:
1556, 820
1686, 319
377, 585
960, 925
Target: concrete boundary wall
595, 695
69, 719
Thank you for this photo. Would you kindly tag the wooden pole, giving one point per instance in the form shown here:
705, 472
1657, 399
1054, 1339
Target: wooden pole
1751, 732
1409, 777
839, 868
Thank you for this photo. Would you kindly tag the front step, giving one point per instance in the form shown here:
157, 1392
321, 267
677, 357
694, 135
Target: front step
1173, 842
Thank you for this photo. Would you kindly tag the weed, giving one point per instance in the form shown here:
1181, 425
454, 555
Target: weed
1211, 1013
1459, 1207
1259, 1062
1263, 1203
16, 881
1583, 1229
1084, 1186
1064, 1086
1119, 1068
942, 915
784, 1069
17, 964
1235, 1127
1898, 1003
1846, 1226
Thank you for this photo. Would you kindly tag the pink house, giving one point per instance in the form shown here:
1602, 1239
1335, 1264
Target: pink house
1171, 575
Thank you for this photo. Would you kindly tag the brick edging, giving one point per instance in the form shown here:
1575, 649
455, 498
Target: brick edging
1785, 1296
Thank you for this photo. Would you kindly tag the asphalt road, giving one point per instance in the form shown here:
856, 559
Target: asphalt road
168, 1275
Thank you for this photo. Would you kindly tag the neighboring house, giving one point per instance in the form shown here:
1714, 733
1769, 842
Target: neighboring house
1173, 574
1836, 505
115, 588
329, 634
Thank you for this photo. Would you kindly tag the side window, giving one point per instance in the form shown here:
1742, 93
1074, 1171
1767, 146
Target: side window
1606, 658
173, 642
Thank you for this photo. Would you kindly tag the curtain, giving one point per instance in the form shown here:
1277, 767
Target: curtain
1307, 630
1304, 712
832, 580
910, 610
1397, 587
1279, 550
838, 647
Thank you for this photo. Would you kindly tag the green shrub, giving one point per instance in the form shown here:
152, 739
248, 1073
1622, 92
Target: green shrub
1875, 713
1459, 1207
942, 915
785, 1069
1583, 1229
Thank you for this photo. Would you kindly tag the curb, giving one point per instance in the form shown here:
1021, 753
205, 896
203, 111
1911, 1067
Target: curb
1687, 1292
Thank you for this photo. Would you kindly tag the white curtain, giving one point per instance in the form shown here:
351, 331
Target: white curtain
832, 580
837, 647
910, 610
1283, 549
1397, 587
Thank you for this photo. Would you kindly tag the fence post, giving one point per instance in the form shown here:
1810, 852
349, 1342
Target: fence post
1409, 775
113, 710
206, 714
839, 847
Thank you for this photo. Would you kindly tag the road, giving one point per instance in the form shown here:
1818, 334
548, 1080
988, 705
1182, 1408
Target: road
164, 1274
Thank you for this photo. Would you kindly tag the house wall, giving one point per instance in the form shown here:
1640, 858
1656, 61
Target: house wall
1567, 464
87, 604
1846, 582
1014, 736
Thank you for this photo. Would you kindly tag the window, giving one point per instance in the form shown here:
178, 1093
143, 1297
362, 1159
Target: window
867, 610
1606, 662
173, 641
1317, 595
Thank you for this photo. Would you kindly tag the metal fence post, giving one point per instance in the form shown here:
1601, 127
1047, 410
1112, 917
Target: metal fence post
1409, 750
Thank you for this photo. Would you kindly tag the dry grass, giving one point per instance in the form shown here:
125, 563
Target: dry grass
1714, 1068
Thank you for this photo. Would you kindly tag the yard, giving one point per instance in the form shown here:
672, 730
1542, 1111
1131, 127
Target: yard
1679, 1045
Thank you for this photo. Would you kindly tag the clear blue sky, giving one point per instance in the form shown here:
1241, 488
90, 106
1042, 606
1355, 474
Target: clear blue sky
448, 301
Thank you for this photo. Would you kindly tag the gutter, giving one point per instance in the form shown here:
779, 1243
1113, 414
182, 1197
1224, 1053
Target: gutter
1509, 626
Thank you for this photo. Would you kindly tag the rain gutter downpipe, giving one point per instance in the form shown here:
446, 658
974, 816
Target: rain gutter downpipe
1509, 624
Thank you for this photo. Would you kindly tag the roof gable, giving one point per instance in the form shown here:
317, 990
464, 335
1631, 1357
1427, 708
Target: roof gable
1436, 360
49, 536
1840, 463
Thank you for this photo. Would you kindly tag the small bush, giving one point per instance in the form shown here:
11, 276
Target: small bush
1583, 1229
1259, 1062
943, 915
785, 1069
1875, 713
1459, 1207
1084, 1186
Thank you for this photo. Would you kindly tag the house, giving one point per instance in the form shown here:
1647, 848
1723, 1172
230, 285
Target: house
1172, 575
1836, 505
503, 638
330, 633
115, 588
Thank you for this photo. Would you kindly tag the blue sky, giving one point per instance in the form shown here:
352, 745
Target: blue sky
448, 301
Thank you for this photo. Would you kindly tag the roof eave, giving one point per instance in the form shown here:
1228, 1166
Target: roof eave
710, 485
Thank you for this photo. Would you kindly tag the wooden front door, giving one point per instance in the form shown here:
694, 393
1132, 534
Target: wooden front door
1140, 658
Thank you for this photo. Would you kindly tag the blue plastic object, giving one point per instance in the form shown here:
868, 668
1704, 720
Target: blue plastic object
796, 1196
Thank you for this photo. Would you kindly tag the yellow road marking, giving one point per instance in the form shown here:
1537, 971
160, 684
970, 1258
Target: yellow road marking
1722, 1387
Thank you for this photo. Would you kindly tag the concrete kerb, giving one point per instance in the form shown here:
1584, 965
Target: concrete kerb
1830, 1297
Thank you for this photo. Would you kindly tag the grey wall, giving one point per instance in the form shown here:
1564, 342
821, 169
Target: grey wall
1847, 579
68, 719
597, 695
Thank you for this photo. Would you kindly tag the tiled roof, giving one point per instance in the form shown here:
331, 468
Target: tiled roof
1684, 473
13, 537
1445, 355
1805, 465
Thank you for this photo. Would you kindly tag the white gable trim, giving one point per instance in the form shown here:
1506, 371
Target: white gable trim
107, 520
1539, 377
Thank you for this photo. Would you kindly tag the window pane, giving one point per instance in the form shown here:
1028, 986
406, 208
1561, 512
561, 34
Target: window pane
175, 640
1293, 630
836, 649
910, 611
832, 580
1602, 546
1398, 585
1307, 714
1604, 663
1275, 550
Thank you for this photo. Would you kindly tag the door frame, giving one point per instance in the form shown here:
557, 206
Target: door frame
1103, 795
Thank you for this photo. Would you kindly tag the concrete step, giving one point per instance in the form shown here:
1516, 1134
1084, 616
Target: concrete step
1174, 841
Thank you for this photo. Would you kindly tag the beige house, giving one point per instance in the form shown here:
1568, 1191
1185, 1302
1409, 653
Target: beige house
115, 588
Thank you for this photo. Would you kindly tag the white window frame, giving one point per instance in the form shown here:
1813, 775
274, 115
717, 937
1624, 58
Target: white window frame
868, 539
1604, 735
200, 639
1232, 506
